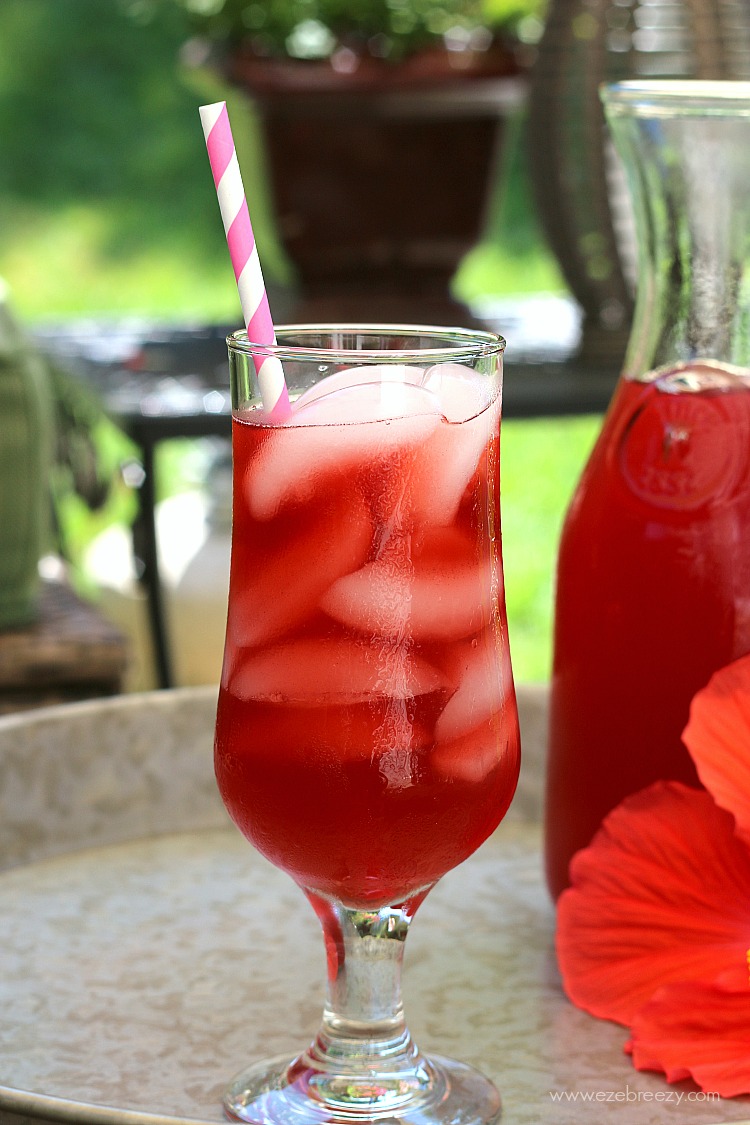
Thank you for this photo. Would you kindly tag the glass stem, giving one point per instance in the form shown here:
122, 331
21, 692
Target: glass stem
363, 1015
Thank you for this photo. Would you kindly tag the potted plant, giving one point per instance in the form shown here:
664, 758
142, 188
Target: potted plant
382, 123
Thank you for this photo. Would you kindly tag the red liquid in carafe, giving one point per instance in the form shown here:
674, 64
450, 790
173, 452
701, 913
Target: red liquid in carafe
653, 594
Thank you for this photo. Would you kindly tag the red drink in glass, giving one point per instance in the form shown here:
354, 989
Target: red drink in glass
367, 739
367, 735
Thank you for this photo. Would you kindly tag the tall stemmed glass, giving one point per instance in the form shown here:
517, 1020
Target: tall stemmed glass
367, 736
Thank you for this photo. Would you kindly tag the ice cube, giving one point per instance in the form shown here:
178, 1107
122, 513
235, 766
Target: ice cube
278, 584
349, 427
455, 586
473, 756
376, 599
450, 457
463, 393
355, 376
323, 671
481, 668
444, 593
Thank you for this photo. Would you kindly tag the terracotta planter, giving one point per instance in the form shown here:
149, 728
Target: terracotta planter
381, 177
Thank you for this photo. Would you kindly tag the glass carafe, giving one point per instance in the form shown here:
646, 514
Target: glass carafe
653, 581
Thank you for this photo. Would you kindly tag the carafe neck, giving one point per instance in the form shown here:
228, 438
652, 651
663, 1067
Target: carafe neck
685, 148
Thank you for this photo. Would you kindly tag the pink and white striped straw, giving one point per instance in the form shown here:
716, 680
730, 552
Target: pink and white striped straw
222, 157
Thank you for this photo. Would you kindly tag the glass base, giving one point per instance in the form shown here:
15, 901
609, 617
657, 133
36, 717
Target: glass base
436, 1091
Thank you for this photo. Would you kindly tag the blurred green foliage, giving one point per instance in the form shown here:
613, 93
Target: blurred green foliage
83, 112
389, 29
104, 182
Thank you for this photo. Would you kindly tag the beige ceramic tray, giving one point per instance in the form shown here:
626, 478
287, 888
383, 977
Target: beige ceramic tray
148, 953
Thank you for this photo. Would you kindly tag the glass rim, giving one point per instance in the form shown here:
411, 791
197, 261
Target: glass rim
459, 343
668, 96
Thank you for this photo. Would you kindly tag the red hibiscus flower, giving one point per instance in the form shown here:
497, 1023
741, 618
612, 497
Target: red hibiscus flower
654, 931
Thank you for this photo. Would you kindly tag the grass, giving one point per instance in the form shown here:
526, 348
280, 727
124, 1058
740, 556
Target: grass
542, 459
60, 268
493, 269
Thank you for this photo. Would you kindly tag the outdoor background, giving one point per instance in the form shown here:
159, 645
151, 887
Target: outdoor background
107, 210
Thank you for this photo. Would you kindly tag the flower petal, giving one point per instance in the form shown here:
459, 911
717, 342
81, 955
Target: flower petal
699, 1031
718, 738
661, 894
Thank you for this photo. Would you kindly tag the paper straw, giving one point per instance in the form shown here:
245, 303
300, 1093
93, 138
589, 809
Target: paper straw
222, 157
